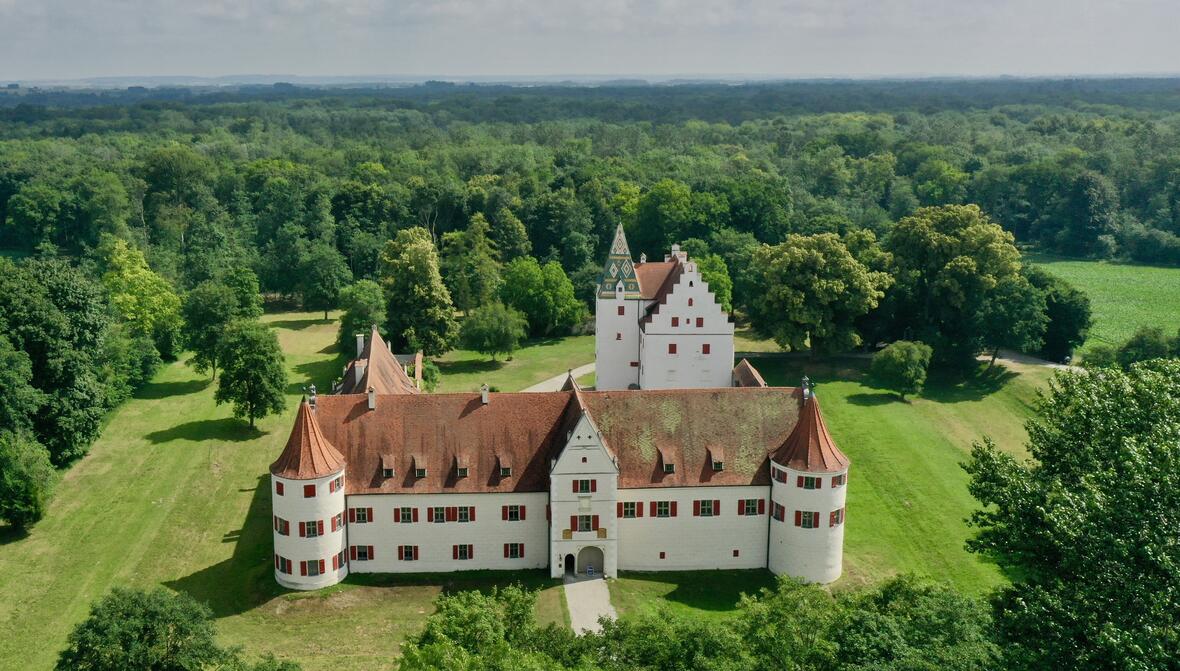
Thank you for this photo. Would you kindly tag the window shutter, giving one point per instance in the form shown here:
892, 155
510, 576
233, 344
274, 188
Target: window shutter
351, 515
451, 514
799, 481
522, 550
415, 552
522, 513
415, 514
819, 483
333, 519
798, 518
503, 512
619, 510
319, 527
716, 507
471, 512
696, 508
352, 552
673, 509
276, 561
575, 484
372, 555
741, 506
454, 552
700, 321
573, 522
639, 508
275, 522
302, 568
370, 515
505, 550
470, 551
653, 508
594, 522
302, 529
593, 485
322, 571
401, 552
761, 506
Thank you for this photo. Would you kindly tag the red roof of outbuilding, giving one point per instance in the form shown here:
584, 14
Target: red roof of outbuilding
810, 447
383, 372
308, 455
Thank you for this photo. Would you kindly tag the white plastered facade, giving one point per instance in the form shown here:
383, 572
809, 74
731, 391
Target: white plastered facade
294, 507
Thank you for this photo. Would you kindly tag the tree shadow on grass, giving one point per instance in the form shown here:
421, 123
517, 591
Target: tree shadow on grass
226, 429
469, 366
158, 390
246, 579
321, 373
11, 534
296, 324
951, 387
717, 591
880, 398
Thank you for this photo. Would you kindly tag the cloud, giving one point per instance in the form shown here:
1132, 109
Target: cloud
72, 38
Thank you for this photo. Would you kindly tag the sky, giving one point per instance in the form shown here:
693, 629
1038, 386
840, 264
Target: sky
73, 39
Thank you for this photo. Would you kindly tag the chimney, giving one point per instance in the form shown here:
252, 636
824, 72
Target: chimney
311, 397
372, 398
360, 344
483, 394
806, 387
643, 257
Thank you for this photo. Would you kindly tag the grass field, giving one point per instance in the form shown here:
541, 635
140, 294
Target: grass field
708, 594
538, 360
1123, 296
175, 493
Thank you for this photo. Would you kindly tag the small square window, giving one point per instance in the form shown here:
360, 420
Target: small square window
669, 467
279, 488
461, 471
584, 486
362, 552
408, 553
515, 550
671, 348
387, 472
622, 310
313, 567
629, 509
705, 349
585, 523
419, 472
362, 515
406, 515
439, 515
718, 465
706, 507
663, 509
513, 513
618, 336
663, 555
309, 491
505, 472
736, 553
464, 514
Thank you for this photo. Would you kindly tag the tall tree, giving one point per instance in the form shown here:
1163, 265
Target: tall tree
814, 291
508, 234
544, 294
470, 265
901, 366
1013, 315
419, 313
143, 299
1067, 309
26, 479
363, 304
323, 275
493, 329
253, 371
1087, 526
19, 399
208, 309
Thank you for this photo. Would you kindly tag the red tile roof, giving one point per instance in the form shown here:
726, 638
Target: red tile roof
810, 447
382, 371
308, 454
656, 278
745, 375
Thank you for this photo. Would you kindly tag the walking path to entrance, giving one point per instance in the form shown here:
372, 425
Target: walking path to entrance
587, 600
554, 383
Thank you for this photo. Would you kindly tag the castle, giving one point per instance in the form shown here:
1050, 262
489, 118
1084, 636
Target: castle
678, 460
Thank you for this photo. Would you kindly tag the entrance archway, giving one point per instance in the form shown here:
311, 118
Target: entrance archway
590, 556
569, 564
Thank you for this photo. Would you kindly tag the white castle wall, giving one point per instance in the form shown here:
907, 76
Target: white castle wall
616, 341
814, 555
295, 508
584, 457
488, 533
693, 543
675, 322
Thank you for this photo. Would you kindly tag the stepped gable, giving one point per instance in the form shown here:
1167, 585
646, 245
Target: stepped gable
810, 447
308, 454
645, 428
745, 375
431, 431
382, 371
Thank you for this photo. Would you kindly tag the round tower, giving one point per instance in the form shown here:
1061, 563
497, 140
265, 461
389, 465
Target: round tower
809, 481
307, 501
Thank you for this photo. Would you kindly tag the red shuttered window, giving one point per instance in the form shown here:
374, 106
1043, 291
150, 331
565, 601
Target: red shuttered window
309, 491
700, 322
279, 488
676, 321
671, 348
705, 349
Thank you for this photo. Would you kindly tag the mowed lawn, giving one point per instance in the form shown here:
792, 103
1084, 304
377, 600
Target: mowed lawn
176, 493
1123, 296
536, 361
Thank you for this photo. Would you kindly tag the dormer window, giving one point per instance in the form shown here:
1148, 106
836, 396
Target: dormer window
419, 472
718, 465
461, 471
669, 467
505, 471
387, 473
717, 458
387, 469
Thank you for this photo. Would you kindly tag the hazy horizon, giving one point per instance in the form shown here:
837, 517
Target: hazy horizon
359, 40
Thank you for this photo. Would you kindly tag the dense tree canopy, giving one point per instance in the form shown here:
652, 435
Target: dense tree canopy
418, 312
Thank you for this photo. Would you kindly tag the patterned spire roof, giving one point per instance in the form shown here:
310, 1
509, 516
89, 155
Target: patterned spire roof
308, 455
619, 267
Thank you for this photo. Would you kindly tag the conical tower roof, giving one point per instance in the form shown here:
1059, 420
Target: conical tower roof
619, 268
308, 455
810, 447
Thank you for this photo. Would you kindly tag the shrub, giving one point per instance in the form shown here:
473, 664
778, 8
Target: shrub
901, 367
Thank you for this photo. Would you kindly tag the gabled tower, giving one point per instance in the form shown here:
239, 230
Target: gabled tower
618, 309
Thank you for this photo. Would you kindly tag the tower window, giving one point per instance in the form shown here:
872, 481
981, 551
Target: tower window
671, 348
618, 336
705, 349
676, 321
836, 518
690, 302
622, 310
279, 488
309, 491
700, 322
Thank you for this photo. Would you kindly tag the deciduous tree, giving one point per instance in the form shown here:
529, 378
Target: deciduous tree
419, 313
324, 274
901, 366
26, 479
363, 304
253, 371
493, 329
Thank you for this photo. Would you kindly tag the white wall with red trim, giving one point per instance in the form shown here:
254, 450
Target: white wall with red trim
584, 458
616, 341
487, 533
297, 509
687, 540
815, 554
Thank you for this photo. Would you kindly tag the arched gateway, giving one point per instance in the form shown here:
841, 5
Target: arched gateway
590, 556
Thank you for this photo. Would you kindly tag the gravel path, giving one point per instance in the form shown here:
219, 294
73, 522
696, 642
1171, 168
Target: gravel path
587, 600
554, 383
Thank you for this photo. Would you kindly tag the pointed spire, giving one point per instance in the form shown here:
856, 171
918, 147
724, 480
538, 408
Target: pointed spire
810, 447
619, 268
308, 455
